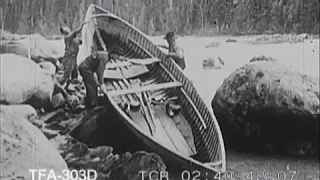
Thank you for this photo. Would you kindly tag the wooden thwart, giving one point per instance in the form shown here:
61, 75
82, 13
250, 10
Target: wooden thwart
118, 65
145, 61
145, 88
130, 62
131, 72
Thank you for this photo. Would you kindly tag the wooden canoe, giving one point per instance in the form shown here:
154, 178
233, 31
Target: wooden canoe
182, 130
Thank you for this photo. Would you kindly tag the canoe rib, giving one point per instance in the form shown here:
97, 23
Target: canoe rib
209, 142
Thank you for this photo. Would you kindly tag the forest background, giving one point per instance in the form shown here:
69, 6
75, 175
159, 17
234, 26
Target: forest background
154, 17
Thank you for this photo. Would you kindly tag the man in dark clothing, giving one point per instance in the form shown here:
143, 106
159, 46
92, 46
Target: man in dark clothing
69, 60
175, 52
96, 63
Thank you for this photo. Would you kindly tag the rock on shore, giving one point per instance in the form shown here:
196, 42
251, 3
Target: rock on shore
267, 106
22, 79
24, 147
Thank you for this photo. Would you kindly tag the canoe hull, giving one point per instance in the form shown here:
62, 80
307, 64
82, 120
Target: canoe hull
191, 166
130, 42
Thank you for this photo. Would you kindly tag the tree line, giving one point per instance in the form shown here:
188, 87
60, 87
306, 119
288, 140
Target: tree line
203, 17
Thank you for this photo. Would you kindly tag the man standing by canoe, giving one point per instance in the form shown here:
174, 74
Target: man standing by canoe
175, 52
95, 63
69, 60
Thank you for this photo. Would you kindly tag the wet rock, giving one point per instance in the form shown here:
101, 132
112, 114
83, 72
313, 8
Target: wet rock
24, 147
53, 116
87, 128
112, 166
57, 126
268, 106
72, 88
24, 81
213, 63
139, 166
100, 152
79, 149
100, 158
57, 101
74, 100
49, 133
262, 58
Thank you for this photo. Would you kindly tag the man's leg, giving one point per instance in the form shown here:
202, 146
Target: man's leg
74, 74
68, 67
90, 83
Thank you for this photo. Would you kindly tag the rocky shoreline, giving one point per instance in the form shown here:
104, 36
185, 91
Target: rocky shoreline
58, 126
95, 139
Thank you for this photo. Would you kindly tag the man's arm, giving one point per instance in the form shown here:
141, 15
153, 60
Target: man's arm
59, 88
74, 33
103, 60
178, 54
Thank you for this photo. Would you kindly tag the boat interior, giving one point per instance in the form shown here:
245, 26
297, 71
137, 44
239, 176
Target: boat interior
147, 94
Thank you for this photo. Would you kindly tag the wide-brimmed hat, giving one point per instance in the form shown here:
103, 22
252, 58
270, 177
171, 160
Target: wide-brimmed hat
65, 30
170, 35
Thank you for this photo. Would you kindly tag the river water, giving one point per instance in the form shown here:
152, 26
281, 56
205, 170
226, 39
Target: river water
303, 57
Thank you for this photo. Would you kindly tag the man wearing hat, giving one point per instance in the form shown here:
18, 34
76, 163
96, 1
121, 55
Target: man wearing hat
95, 63
69, 60
175, 52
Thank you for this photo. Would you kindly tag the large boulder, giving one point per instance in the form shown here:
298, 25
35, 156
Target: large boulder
24, 147
268, 106
23, 80
39, 48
